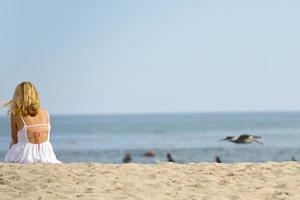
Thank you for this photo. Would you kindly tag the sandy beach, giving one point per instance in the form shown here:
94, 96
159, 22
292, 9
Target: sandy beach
158, 181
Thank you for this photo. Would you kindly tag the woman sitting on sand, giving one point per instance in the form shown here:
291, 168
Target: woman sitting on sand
30, 128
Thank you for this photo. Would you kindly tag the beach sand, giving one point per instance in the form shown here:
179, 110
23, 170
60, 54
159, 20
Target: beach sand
158, 181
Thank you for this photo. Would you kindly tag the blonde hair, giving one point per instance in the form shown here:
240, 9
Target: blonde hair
25, 101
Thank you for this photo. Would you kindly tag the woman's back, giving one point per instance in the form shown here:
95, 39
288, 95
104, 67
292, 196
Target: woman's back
35, 128
33, 143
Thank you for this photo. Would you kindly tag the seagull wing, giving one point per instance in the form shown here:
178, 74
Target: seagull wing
243, 137
257, 141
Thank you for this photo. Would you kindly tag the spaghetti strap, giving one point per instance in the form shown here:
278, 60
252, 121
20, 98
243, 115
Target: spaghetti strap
48, 117
23, 120
49, 127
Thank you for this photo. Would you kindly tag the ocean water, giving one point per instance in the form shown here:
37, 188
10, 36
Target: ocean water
188, 137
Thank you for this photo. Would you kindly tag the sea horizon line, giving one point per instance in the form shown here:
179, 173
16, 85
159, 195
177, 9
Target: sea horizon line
174, 113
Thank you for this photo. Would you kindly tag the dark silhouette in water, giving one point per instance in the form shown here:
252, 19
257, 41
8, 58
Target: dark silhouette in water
127, 158
217, 159
150, 153
243, 139
169, 157
293, 158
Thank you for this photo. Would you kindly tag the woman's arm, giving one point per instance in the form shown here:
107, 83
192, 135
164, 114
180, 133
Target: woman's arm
14, 130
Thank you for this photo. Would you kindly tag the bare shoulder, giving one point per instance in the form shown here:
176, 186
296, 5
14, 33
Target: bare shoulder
13, 117
44, 111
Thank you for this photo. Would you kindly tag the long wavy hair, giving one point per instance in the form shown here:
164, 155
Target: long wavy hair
25, 101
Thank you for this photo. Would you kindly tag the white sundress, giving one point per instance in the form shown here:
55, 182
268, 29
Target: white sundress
26, 152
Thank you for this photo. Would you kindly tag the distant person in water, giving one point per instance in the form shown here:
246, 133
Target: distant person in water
150, 153
293, 158
169, 157
30, 128
217, 159
127, 158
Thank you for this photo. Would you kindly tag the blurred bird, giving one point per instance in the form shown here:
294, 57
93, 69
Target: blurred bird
243, 139
169, 157
217, 159
127, 158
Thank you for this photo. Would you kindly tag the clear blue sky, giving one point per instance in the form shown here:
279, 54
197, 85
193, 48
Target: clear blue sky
139, 56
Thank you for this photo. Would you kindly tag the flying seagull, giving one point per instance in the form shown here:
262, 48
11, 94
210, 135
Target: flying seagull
243, 139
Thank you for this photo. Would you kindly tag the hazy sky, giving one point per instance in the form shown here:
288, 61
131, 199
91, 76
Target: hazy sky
139, 56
